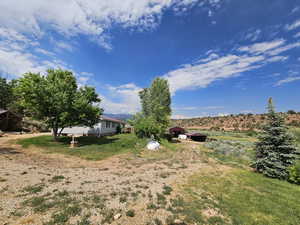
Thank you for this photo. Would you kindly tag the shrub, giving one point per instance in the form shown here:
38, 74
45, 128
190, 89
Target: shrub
294, 123
291, 112
118, 129
146, 127
237, 149
294, 173
130, 213
167, 190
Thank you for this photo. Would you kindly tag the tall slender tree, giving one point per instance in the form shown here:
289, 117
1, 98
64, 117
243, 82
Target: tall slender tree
160, 100
275, 150
145, 101
156, 109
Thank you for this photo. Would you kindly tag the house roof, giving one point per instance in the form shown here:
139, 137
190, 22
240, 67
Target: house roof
2, 111
112, 119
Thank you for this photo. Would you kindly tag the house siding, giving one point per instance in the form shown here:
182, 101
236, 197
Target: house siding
102, 128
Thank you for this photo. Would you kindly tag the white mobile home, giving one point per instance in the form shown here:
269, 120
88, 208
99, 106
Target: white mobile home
106, 126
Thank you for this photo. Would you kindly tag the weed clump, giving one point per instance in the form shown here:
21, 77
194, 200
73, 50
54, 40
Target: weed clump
130, 213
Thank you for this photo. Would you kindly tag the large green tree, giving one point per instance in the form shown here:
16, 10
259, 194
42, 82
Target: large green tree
6, 93
275, 150
145, 101
56, 99
156, 109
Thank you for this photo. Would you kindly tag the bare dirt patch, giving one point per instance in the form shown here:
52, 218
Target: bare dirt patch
38, 188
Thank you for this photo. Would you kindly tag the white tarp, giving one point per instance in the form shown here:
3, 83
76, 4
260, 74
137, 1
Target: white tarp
182, 136
153, 145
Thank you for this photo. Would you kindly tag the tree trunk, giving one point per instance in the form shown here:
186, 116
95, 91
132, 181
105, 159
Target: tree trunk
55, 134
60, 131
55, 129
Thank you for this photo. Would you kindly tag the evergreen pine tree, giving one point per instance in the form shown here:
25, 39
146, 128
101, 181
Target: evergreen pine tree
275, 150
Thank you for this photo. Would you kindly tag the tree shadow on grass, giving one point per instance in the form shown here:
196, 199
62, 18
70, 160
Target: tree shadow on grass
8, 151
174, 141
88, 140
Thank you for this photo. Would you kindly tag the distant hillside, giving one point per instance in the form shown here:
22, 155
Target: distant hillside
119, 116
234, 122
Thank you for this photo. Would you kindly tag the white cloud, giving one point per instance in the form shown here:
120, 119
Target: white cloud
201, 75
210, 57
44, 52
293, 26
12, 35
127, 99
88, 74
17, 63
247, 111
296, 9
188, 108
253, 35
87, 17
93, 18
259, 48
61, 45
297, 35
24, 23
179, 117
222, 114
287, 80
277, 58
205, 71
283, 49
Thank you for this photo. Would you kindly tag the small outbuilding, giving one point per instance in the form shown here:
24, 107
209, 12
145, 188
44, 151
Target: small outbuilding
197, 137
10, 121
175, 131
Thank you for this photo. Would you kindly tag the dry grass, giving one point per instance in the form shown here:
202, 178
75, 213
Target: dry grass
182, 181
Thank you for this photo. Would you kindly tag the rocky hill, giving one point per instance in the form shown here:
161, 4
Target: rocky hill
234, 122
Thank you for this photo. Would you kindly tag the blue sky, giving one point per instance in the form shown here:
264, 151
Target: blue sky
219, 56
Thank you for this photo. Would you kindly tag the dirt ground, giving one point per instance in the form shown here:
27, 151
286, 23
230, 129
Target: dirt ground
121, 183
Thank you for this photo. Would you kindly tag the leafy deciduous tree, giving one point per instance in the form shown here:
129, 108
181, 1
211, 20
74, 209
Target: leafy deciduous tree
145, 101
6, 93
56, 100
156, 109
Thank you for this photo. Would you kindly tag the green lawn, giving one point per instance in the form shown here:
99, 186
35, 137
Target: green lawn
91, 148
242, 197
296, 133
234, 195
239, 196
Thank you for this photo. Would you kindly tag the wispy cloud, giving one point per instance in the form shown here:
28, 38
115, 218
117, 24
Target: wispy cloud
294, 10
44, 52
85, 17
188, 108
260, 48
122, 99
293, 26
210, 69
297, 35
253, 35
179, 117
287, 80
62, 45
